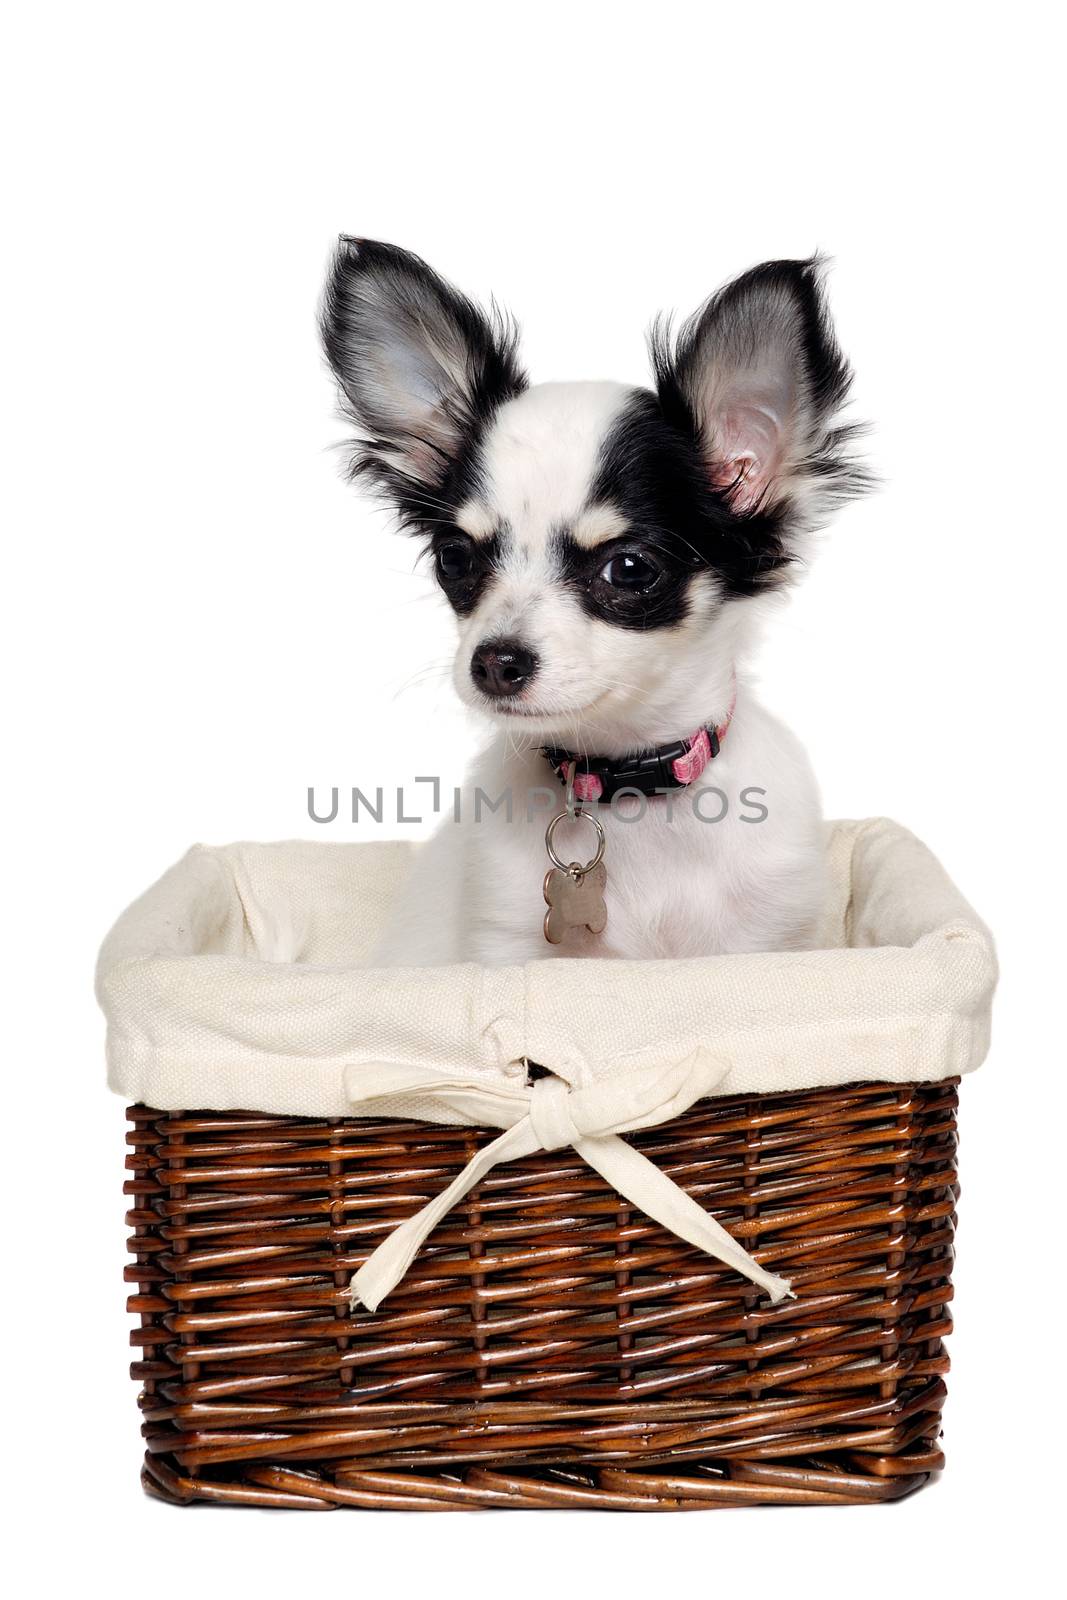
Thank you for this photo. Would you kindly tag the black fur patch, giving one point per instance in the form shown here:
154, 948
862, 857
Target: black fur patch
662, 605
652, 471
463, 594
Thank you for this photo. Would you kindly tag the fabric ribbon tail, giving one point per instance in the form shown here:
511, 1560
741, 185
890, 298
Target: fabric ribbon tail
385, 1266
635, 1177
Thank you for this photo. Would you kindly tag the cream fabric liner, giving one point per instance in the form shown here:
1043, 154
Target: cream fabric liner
235, 982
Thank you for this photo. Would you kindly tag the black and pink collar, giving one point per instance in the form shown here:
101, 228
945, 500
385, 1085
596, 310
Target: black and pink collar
647, 772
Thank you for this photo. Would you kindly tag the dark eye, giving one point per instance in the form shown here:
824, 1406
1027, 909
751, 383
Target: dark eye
630, 570
455, 560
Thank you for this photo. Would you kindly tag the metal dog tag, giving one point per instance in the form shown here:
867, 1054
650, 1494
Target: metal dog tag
575, 899
574, 894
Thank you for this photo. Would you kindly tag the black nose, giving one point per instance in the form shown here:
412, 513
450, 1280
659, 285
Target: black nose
502, 666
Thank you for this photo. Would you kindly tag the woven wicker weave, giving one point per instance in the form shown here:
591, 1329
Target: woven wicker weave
549, 1347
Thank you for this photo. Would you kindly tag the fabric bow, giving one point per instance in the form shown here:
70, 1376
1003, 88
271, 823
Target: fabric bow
549, 1114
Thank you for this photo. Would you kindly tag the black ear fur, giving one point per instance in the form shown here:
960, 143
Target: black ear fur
420, 367
756, 377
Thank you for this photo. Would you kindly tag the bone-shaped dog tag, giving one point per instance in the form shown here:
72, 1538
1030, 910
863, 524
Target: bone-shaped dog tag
575, 899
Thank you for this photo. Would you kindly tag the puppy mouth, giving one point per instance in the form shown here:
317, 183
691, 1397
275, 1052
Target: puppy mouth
534, 713
502, 710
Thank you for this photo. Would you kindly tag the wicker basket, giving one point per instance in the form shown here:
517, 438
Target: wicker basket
550, 1347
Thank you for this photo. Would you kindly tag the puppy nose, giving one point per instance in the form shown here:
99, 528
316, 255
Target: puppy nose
502, 666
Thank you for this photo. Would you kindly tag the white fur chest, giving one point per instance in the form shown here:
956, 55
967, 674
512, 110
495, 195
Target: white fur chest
731, 863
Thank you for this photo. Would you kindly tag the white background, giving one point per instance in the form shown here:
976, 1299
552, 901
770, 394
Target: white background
202, 619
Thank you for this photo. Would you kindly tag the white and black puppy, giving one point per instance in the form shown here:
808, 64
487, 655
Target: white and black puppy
607, 551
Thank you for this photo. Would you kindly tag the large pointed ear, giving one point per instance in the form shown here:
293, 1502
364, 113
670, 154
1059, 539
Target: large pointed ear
757, 376
421, 368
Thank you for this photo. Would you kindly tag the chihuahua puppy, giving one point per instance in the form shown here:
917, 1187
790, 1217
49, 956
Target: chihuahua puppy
607, 551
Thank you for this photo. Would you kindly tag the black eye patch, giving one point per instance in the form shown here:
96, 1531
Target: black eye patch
653, 474
632, 582
463, 566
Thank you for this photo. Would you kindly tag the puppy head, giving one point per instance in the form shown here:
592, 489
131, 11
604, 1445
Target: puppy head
599, 544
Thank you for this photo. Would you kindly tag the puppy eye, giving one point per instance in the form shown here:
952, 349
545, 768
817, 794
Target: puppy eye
629, 570
455, 560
